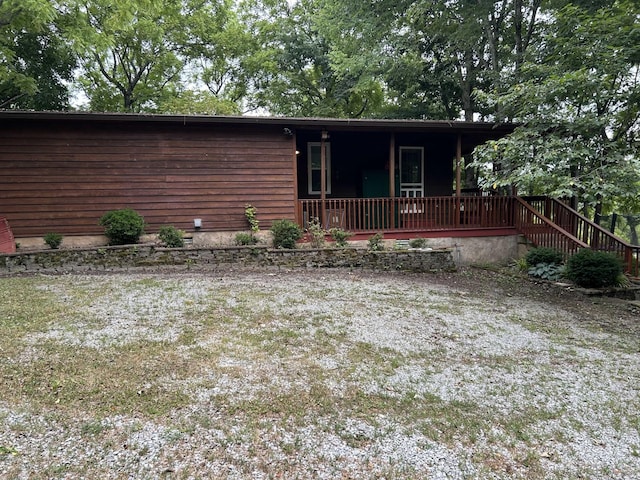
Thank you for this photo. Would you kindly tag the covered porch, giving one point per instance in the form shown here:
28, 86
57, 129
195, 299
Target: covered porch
393, 176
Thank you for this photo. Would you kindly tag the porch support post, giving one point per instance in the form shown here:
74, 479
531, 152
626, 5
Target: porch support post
458, 166
392, 180
323, 175
392, 165
296, 200
458, 178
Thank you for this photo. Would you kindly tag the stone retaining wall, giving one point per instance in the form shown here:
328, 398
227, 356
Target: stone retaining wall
149, 256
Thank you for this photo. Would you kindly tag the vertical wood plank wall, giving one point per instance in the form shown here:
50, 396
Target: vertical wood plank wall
63, 176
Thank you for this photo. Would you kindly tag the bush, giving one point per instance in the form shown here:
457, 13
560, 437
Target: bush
591, 269
285, 233
418, 242
244, 238
375, 243
317, 233
546, 255
171, 237
122, 227
251, 214
340, 236
53, 240
547, 271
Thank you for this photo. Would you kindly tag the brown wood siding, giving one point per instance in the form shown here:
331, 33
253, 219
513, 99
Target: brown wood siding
63, 176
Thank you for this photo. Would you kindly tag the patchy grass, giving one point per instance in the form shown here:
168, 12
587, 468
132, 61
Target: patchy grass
335, 373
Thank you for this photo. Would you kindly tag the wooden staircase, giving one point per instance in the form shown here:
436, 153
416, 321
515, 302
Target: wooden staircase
548, 222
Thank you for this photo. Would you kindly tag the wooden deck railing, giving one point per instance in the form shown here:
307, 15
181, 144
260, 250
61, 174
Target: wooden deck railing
593, 235
361, 215
542, 232
546, 222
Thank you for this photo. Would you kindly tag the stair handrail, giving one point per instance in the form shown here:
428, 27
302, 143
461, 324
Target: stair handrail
629, 253
568, 247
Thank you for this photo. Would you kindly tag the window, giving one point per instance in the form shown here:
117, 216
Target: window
411, 172
314, 167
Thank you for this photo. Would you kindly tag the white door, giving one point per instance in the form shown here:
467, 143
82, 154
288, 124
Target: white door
411, 172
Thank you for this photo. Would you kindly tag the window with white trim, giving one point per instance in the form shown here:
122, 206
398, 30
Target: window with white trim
314, 167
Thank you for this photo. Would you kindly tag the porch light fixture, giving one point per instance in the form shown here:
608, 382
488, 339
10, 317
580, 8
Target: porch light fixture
197, 223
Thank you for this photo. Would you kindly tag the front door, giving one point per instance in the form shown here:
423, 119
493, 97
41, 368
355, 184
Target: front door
411, 172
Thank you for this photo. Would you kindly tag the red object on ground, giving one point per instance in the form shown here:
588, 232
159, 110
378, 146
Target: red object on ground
7, 242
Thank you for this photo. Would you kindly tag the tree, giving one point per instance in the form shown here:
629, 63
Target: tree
34, 63
579, 105
47, 62
128, 52
302, 79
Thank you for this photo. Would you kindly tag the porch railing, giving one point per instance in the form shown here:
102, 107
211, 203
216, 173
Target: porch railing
542, 232
362, 215
593, 235
546, 222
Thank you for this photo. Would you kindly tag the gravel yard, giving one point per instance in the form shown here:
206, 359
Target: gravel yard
315, 374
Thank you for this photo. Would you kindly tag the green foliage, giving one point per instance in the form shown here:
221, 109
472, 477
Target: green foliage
544, 255
577, 102
122, 227
340, 236
317, 233
20, 20
171, 237
593, 269
285, 233
128, 51
244, 238
547, 271
418, 242
521, 264
375, 243
44, 59
54, 240
309, 72
251, 214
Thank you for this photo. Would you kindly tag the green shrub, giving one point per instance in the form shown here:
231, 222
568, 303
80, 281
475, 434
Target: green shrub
544, 255
340, 236
122, 227
547, 271
285, 233
251, 214
375, 243
171, 237
418, 242
317, 233
53, 240
243, 238
591, 269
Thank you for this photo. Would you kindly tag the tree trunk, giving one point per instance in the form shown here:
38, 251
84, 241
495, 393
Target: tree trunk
633, 221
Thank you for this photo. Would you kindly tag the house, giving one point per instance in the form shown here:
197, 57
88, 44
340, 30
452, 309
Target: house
62, 171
